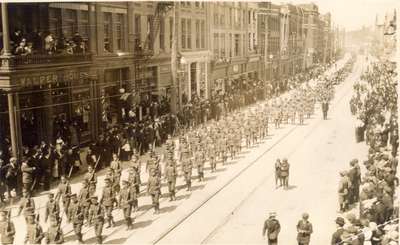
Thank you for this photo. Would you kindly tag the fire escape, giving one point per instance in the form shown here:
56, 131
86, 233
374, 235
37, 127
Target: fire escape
144, 51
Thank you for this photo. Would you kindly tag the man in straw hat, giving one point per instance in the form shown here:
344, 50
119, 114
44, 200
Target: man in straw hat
272, 228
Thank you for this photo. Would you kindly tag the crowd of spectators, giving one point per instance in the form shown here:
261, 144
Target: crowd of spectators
374, 104
38, 42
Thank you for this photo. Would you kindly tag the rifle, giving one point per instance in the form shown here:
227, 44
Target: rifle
97, 162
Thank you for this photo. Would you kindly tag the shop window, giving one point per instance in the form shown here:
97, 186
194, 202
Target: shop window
197, 34
162, 33
70, 25
203, 34
189, 34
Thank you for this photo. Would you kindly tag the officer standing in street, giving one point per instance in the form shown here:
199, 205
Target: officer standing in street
154, 190
27, 175
115, 165
76, 216
108, 200
304, 230
325, 108
133, 187
34, 233
170, 176
7, 228
54, 234
272, 228
284, 173
126, 199
96, 218
64, 191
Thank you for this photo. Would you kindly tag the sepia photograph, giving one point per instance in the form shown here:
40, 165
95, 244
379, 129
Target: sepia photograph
199, 122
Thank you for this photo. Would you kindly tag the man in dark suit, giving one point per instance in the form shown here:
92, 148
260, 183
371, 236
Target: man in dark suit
272, 228
325, 108
337, 235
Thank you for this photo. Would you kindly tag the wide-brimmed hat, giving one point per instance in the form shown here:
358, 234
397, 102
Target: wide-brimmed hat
340, 221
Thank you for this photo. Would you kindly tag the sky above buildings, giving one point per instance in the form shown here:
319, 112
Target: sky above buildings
352, 14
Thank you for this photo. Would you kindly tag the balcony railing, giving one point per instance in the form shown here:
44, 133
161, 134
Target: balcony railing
39, 59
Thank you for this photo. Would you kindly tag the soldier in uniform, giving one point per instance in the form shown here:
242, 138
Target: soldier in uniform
54, 234
133, 178
108, 200
27, 204
284, 173
170, 176
325, 108
278, 173
84, 199
96, 218
76, 216
304, 230
115, 165
187, 169
7, 228
212, 156
272, 228
52, 208
64, 191
91, 178
27, 175
126, 199
34, 234
154, 189
200, 160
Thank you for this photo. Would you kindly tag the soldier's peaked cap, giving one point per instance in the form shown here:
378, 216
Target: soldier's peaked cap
94, 198
125, 182
272, 214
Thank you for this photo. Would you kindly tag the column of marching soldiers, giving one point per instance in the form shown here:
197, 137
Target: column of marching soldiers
212, 143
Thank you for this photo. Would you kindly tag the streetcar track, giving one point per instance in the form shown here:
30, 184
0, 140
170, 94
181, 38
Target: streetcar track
264, 180
163, 235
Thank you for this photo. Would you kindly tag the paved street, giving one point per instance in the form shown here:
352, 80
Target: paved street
239, 195
317, 152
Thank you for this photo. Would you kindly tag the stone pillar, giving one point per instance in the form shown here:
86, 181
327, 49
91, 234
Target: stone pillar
13, 126
6, 34
92, 29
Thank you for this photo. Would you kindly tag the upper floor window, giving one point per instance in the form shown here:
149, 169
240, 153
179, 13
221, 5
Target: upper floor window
119, 29
183, 35
162, 33
70, 26
107, 32
137, 30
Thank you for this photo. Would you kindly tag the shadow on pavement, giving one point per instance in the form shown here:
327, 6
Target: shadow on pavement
167, 209
141, 224
145, 207
116, 241
210, 178
186, 196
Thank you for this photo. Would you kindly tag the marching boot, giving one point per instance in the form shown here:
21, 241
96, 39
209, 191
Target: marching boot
99, 239
128, 224
112, 222
80, 238
109, 223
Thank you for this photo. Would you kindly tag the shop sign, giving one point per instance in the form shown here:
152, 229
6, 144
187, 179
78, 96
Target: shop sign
236, 68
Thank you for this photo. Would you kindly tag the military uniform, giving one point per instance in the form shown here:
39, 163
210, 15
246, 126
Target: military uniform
34, 234
7, 228
27, 204
116, 167
133, 178
211, 157
170, 175
284, 173
154, 189
84, 199
54, 234
127, 197
76, 216
64, 191
200, 159
27, 176
91, 178
108, 200
96, 218
52, 208
187, 171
